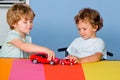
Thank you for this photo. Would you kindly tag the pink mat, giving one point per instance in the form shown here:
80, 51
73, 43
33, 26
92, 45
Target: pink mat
22, 67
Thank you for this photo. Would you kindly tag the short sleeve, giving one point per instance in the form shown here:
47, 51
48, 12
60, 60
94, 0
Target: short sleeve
12, 35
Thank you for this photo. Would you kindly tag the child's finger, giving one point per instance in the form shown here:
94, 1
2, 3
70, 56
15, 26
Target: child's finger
51, 56
76, 61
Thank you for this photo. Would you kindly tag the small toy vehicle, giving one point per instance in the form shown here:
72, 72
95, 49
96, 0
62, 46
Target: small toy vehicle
67, 62
41, 57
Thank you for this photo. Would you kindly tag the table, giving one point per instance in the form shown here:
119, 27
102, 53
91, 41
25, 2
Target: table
24, 69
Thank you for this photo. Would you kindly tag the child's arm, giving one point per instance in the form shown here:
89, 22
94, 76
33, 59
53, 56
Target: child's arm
93, 58
27, 47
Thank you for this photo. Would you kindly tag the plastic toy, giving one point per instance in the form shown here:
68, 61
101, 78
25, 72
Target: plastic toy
67, 62
41, 57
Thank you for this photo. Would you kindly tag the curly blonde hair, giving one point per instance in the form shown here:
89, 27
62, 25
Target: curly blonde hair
18, 11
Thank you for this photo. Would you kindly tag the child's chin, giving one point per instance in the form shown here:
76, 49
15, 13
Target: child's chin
85, 38
27, 32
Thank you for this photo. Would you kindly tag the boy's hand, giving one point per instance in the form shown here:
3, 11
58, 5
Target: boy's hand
71, 57
51, 54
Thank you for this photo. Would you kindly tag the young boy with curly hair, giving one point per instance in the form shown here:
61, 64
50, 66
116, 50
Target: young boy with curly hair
89, 47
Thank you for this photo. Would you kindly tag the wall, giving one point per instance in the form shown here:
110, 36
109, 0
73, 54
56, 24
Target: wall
4, 28
54, 25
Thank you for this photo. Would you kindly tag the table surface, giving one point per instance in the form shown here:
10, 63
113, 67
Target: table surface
24, 69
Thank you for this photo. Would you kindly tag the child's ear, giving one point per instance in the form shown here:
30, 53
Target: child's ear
14, 25
96, 28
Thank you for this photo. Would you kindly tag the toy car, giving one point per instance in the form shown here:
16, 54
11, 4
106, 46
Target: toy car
41, 57
67, 62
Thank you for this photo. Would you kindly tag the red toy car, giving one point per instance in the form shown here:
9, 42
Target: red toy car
41, 57
67, 62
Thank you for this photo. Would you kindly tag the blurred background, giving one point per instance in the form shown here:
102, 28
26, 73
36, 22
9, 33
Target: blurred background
54, 25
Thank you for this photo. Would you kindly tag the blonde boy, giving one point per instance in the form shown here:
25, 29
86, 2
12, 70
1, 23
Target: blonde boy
18, 43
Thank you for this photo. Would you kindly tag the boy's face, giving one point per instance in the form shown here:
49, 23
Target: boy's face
86, 30
23, 26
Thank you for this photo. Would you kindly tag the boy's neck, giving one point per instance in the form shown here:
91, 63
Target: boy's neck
21, 34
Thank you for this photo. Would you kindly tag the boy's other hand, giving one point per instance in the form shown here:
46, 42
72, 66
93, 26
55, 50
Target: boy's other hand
71, 57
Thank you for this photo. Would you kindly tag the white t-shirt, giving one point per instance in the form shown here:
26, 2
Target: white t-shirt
83, 48
9, 50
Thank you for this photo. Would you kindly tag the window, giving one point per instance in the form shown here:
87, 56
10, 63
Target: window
5, 3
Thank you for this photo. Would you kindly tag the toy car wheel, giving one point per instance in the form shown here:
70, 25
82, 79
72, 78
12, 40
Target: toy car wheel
34, 61
63, 63
52, 63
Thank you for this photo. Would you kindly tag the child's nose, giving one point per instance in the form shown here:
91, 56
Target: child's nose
81, 32
29, 24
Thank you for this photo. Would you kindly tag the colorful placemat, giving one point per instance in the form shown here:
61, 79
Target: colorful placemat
64, 72
24, 69
103, 70
5, 67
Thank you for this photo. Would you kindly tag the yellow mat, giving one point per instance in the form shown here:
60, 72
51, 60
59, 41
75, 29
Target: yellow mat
103, 70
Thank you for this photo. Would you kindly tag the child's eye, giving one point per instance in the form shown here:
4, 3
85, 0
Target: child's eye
84, 28
79, 29
31, 21
25, 22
